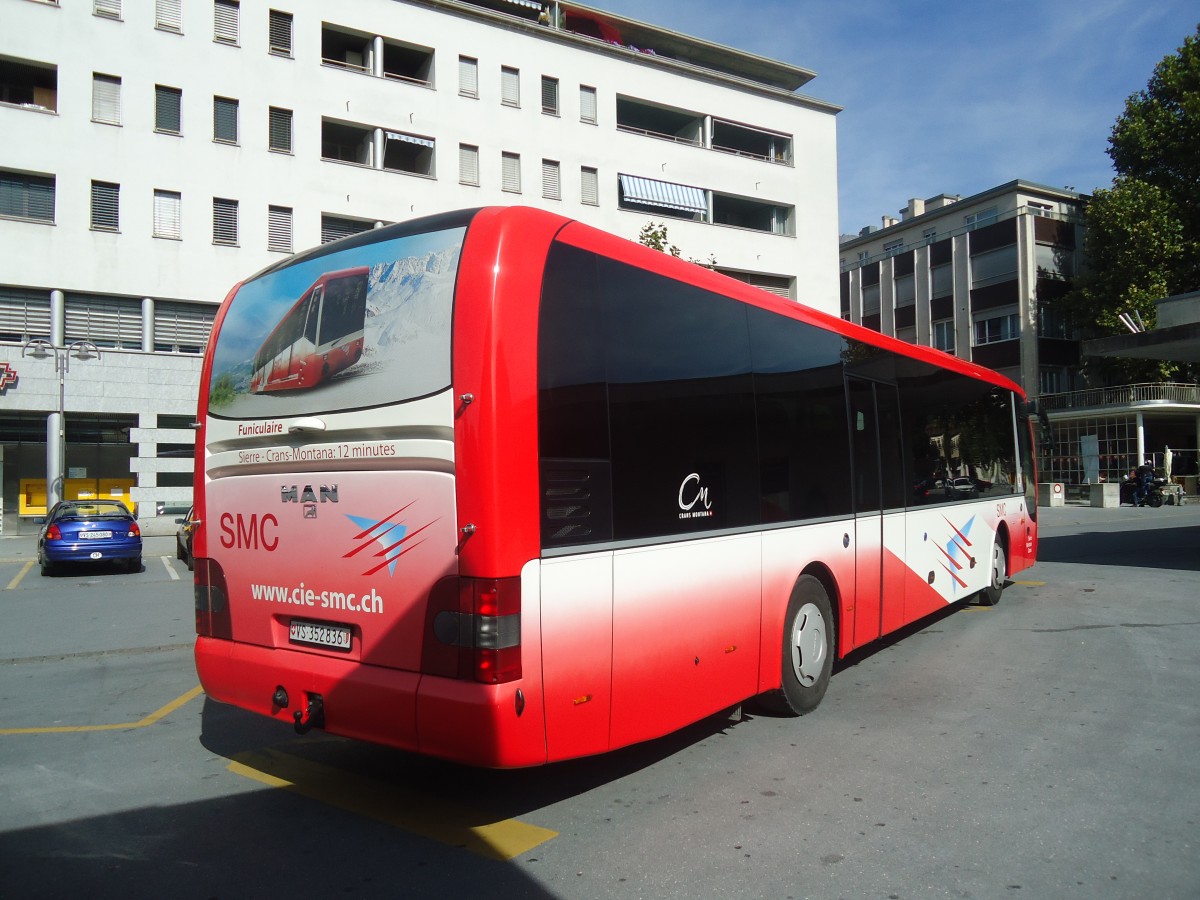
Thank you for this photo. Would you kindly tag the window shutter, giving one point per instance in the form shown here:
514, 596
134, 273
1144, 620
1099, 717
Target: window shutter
510, 86
468, 164
166, 214
280, 28
468, 76
225, 221
106, 99
334, 228
167, 103
105, 321
168, 14
780, 285
27, 196
587, 104
550, 95
225, 120
589, 186
24, 315
109, 8
106, 206
280, 129
181, 326
551, 188
279, 228
511, 172
225, 21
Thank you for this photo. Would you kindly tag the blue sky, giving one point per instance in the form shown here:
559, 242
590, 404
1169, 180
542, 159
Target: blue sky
955, 98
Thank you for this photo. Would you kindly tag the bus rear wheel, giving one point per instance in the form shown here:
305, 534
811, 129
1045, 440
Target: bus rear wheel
808, 646
990, 595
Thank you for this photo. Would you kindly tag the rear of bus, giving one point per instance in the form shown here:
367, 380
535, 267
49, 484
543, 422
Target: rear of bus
335, 585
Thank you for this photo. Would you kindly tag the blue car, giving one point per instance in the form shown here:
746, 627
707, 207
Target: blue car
90, 531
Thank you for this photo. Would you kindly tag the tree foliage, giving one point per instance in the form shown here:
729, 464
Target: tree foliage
654, 235
1143, 234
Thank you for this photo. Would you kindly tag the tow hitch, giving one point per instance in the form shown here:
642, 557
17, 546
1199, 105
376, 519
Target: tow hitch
312, 716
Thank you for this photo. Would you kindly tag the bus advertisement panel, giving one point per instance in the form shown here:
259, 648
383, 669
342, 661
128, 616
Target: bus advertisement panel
573, 493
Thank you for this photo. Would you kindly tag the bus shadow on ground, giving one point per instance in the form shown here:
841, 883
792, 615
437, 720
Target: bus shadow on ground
1169, 547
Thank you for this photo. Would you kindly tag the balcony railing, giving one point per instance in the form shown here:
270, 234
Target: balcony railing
1123, 395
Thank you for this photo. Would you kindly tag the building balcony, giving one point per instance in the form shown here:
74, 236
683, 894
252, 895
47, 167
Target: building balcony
1125, 397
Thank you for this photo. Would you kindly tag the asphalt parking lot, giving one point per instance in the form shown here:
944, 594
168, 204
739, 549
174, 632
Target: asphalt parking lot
1042, 748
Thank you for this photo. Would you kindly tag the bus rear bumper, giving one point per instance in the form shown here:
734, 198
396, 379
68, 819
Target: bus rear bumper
464, 721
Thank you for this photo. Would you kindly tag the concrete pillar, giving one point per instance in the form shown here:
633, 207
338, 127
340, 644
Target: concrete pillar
1028, 304
147, 325
377, 56
887, 296
922, 291
55, 424
1141, 438
377, 147
962, 297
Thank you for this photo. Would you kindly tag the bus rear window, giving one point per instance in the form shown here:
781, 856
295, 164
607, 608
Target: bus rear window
364, 327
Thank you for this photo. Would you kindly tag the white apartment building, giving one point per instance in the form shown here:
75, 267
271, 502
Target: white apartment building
159, 152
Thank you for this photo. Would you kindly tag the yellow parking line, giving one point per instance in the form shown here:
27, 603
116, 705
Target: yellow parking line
116, 726
418, 813
17, 578
1031, 583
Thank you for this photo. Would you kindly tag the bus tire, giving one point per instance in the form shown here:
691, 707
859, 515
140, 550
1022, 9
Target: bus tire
809, 639
990, 595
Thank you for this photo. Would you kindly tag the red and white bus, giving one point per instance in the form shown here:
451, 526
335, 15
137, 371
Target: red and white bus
318, 337
582, 495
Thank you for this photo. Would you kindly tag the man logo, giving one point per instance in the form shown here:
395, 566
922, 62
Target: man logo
293, 494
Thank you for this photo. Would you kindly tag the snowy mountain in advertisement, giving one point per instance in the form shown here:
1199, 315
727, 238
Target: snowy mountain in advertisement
409, 298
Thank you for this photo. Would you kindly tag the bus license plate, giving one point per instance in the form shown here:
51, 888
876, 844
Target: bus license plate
317, 634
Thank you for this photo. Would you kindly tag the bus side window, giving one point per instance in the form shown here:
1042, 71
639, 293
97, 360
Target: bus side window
313, 313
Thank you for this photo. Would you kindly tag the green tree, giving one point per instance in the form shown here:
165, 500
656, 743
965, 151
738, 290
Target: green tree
1143, 234
654, 235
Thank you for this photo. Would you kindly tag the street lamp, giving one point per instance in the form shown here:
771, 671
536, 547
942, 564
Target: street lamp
55, 427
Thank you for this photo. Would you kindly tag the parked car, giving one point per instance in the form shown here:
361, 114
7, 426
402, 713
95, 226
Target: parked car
183, 539
89, 531
965, 487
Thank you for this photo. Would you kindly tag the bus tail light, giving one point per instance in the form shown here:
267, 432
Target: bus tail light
476, 630
212, 601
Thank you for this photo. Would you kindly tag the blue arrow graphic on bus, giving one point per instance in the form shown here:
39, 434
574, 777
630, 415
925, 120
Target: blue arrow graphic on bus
388, 534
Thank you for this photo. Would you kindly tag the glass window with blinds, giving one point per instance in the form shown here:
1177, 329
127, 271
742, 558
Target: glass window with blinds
106, 207
167, 209
110, 9
168, 15
510, 172
587, 104
27, 196
549, 95
589, 186
468, 76
181, 327
279, 127
24, 315
225, 221
105, 321
279, 229
468, 164
279, 29
334, 228
226, 25
225, 120
510, 86
168, 105
106, 99
551, 182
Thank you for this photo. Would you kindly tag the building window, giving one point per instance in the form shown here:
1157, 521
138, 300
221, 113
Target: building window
25, 196
106, 99
1040, 209
589, 186
334, 228
225, 222
1054, 322
167, 214
168, 15
870, 299
181, 327
1054, 262
468, 77
105, 206
410, 153
929, 235
468, 164
28, 84
992, 330
981, 218
549, 95
226, 26
510, 172
891, 248
510, 86
994, 266
943, 335
587, 105
279, 228
551, 182
941, 281
225, 120
279, 128
110, 9
168, 103
905, 291
663, 198
279, 33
